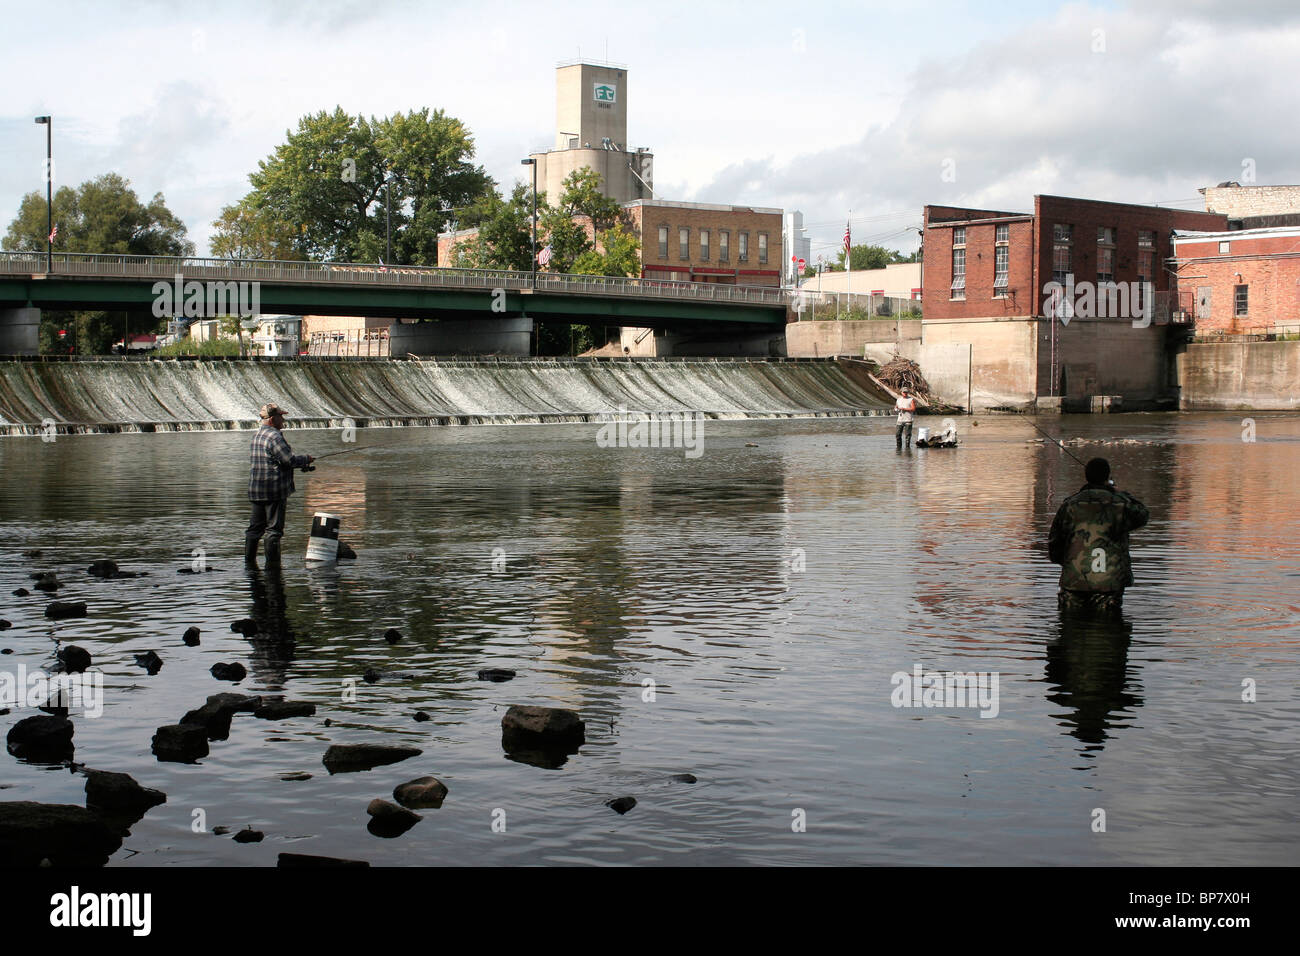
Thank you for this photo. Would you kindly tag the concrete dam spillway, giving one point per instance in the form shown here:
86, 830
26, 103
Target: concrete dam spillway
168, 395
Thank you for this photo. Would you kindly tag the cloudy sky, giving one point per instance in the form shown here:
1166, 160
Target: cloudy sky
822, 107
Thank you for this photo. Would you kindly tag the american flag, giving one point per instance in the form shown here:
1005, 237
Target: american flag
847, 240
54, 232
544, 257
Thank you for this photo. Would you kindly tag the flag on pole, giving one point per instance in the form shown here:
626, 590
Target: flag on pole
848, 239
544, 257
54, 232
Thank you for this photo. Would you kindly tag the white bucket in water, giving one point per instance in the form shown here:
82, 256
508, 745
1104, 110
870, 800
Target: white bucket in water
323, 545
922, 434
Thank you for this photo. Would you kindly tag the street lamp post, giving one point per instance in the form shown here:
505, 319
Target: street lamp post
533, 163
388, 218
48, 122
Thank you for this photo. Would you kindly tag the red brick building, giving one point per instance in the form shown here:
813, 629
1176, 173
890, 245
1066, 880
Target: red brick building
982, 263
1239, 281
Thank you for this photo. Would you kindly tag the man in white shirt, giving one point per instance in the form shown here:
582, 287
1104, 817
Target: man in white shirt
906, 407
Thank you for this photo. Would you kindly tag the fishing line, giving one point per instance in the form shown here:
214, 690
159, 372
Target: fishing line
1057, 440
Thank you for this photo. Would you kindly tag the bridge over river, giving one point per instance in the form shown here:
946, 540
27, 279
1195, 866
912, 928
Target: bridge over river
475, 299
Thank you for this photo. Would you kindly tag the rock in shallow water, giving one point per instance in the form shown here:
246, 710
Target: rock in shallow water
43, 739
683, 778
231, 672
347, 758
119, 791
496, 674
74, 659
65, 835
392, 635
21, 592
621, 805
543, 727
245, 625
65, 609
282, 709
389, 820
180, 743
421, 792
103, 569
150, 661
249, 835
191, 637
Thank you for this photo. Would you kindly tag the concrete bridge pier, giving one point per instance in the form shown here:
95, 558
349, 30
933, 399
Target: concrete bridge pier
20, 331
511, 336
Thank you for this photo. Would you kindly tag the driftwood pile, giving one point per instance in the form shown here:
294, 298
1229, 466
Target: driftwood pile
904, 373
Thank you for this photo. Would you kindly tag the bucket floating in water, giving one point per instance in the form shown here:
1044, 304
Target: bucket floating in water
323, 545
922, 434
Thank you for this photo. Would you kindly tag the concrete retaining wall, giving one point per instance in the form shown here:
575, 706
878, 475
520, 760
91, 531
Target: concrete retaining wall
820, 339
462, 337
1240, 375
20, 331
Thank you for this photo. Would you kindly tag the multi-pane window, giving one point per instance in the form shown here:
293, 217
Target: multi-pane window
724, 243
1146, 270
1146, 239
742, 252
704, 245
663, 242
1240, 299
1001, 259
959, 262
1224, 247
762, 248
1062, 236
683, 243
1105, 254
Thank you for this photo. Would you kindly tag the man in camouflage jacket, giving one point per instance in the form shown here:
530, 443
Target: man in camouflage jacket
1089, 540
270, 483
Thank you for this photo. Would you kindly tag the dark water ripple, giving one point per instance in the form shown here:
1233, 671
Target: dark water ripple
769, 593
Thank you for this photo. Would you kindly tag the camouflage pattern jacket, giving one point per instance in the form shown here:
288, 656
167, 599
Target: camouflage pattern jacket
1089, 538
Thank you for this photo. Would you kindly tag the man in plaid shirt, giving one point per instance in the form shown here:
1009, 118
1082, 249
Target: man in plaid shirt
270, 483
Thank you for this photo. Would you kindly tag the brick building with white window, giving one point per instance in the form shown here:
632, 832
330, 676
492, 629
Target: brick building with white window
987, 295
707, 242
1243, 281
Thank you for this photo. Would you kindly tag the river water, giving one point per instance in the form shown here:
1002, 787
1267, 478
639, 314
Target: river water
737, 616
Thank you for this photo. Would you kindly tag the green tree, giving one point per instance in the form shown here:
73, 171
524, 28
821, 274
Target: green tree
248, 231
103, 215
869, 257
332, 183
618, 258
582, 197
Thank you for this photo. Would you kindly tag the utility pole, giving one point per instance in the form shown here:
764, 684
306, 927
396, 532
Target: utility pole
533, 163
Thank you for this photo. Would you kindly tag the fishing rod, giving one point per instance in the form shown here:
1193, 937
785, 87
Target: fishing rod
331, 454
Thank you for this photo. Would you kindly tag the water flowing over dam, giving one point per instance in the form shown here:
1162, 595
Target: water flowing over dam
169, 395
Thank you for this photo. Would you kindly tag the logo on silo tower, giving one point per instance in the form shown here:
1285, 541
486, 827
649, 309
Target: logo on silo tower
605, 93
